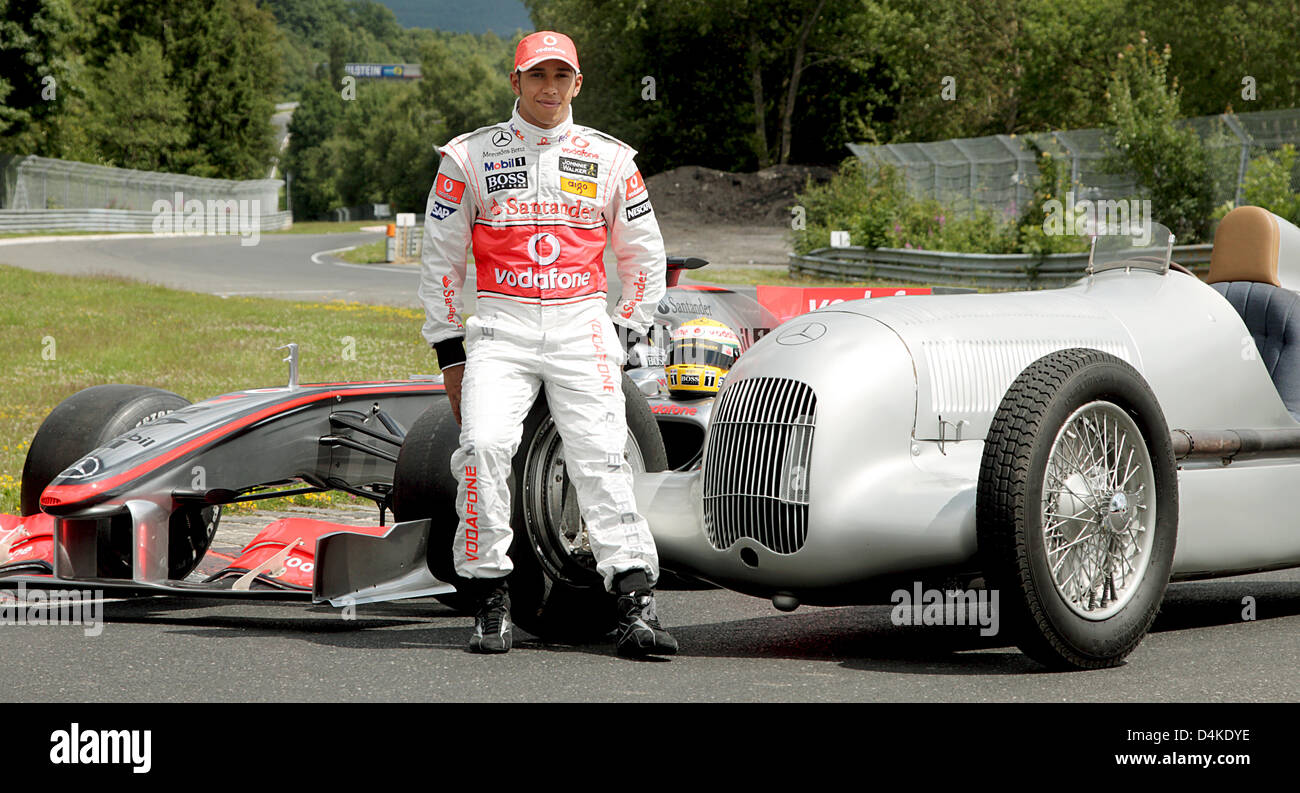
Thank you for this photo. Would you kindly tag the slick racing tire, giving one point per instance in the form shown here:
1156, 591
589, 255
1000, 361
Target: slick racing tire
91, 418
424, 487
1077, 509
555, 592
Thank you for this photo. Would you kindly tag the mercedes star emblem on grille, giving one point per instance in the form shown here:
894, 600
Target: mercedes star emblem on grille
802, 334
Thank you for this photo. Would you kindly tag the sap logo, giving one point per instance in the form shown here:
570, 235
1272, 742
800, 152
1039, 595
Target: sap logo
501, 165
441, 211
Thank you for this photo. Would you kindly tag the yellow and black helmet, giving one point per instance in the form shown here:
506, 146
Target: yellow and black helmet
700, 353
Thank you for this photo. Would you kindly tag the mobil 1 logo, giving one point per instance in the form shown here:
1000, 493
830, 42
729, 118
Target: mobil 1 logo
579, 167
517, 180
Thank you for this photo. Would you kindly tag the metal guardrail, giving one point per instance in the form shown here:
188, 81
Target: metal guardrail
983, 270
14, 220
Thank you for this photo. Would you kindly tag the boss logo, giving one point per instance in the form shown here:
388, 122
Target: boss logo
579, 167
517, 180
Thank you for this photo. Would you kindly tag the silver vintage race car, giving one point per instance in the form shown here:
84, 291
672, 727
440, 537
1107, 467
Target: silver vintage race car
1074, 449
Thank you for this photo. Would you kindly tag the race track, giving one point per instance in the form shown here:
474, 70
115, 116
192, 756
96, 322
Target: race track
735, 648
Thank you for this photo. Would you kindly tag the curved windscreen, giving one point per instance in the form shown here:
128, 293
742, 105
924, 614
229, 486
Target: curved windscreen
1149, 247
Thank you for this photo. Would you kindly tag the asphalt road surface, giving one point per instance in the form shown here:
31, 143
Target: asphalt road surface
735, 648
288, 266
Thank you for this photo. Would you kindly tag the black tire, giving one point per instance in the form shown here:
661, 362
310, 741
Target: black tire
1010, 507
424, 487
563, 601
91, 418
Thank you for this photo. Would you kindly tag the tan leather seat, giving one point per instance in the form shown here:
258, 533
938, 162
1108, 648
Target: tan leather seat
1246, 247
1244, 269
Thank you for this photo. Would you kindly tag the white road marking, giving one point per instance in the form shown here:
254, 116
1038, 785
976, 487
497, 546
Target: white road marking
316, 260
92, 237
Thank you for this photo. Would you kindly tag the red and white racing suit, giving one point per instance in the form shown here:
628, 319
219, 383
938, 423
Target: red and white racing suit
537, 205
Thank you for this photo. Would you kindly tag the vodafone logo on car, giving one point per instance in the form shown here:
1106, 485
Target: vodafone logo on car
673, 410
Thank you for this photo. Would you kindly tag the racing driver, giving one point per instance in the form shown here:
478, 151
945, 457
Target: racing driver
537, 197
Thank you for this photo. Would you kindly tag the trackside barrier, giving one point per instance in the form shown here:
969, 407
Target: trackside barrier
16, 220
981, 270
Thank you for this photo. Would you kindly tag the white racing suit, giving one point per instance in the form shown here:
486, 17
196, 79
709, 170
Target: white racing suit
537, 205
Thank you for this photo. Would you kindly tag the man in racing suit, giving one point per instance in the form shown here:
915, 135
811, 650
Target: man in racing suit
537, 196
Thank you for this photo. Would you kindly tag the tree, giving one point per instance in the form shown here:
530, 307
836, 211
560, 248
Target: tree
1168, 159
1217, 46
726, 84
36, 70
136, 113
225, 62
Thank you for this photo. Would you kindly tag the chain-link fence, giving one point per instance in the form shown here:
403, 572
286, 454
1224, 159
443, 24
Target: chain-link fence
997, 172
39, 192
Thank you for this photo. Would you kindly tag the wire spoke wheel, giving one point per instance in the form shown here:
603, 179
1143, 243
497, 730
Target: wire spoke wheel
1076, 512
1098, 516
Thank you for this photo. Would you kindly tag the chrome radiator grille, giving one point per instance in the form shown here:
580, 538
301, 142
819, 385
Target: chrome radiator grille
756, 463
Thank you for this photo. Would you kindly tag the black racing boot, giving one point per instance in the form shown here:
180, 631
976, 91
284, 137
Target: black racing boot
492, 617
639, 632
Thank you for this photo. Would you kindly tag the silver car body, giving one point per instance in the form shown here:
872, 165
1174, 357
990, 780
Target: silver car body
880, 483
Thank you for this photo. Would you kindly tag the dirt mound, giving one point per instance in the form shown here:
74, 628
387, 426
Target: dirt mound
762, 198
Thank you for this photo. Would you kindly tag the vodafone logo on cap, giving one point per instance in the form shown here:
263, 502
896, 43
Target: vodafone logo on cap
550, 41
552, 243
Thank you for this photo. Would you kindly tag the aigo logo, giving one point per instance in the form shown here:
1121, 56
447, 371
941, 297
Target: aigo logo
548, 258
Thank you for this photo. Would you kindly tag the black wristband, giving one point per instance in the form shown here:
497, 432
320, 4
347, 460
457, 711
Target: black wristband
450, 352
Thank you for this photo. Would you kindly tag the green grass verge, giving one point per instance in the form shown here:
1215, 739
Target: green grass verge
370, 253
60, 334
